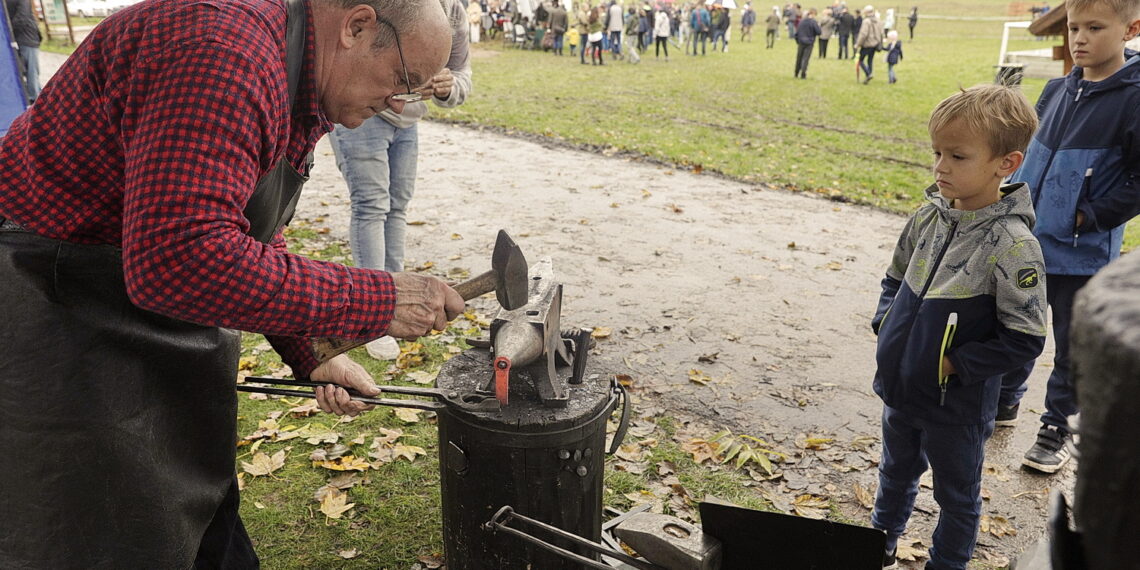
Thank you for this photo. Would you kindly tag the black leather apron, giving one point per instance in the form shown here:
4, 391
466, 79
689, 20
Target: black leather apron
118, 425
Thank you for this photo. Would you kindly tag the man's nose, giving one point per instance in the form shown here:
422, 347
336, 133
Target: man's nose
396, 105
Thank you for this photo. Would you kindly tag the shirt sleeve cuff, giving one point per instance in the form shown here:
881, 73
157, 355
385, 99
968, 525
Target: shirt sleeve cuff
297, 352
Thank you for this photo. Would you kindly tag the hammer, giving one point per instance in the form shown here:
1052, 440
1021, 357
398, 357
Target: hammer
507, 278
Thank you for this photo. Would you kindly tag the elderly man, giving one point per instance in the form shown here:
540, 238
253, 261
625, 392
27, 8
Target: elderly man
378, 161
141, 204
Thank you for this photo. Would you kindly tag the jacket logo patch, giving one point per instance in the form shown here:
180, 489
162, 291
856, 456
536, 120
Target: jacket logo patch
1027, 278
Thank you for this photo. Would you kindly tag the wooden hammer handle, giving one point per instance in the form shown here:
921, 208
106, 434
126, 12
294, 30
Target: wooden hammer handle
326, 348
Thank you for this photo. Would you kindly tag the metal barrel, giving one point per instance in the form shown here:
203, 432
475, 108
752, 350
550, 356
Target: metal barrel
546, 463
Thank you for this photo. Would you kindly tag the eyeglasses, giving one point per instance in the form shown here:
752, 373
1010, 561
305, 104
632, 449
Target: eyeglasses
410, 96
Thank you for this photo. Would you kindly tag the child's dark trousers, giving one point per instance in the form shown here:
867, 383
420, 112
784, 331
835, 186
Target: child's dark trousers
956, 454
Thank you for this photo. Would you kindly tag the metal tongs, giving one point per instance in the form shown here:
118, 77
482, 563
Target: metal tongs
441, 398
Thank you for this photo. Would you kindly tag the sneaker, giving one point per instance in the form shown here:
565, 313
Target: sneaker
1007, 415
868, 79
383, 348
889, 562
1051, 452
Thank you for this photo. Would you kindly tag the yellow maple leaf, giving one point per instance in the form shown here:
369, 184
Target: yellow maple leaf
408, 452
262, 464
407, 415
345, 463
335, 504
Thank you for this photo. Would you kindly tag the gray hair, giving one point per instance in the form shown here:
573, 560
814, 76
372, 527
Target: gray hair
402, 15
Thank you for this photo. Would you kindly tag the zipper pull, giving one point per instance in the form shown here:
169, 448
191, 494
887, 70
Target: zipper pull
942, 398
1078, 97
1084, 192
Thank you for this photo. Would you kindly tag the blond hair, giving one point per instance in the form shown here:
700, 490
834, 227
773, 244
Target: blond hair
1126, 10
999, 113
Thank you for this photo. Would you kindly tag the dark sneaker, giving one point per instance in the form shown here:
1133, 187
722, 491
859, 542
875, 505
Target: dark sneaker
1051, 452
1007, 415
889, 562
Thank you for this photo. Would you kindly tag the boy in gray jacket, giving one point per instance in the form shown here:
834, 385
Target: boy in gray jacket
963, 302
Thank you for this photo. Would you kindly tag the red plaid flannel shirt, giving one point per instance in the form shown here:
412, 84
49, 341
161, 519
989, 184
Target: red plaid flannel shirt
152, 137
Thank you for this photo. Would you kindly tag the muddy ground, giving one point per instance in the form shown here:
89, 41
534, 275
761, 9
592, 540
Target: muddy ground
765, 293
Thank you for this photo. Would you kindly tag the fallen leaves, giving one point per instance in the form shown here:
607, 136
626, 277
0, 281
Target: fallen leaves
335, 504
345, 463
698, 377
997, 525
262, 464
911, 550
864, 496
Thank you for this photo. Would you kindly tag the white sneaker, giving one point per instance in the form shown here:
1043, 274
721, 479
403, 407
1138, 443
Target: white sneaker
383, 348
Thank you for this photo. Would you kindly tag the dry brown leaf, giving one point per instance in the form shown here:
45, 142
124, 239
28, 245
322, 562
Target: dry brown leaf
408, 415
864, 496
262, 464
386, 436
335, 504
304, 410
346, 463
698, 377
348, 554
602, 332
911, 550
431, 562
630, 452
700, 449
408, 452
998, 526
422, 377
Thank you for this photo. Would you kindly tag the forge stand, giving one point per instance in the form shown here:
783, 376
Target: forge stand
547, 463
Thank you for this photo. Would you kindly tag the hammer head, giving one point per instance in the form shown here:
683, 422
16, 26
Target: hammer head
510, 268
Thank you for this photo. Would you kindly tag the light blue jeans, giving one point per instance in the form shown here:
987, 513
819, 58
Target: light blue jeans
378, 161
31, 57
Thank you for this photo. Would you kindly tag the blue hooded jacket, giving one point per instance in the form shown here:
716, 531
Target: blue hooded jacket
1085, 125
967, 285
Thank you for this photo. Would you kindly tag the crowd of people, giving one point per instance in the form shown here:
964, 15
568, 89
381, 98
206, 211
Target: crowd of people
627, 31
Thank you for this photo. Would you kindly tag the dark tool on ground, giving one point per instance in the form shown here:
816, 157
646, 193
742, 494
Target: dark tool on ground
507, 278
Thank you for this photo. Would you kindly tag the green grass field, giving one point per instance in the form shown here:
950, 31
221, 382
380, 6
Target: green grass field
742, 114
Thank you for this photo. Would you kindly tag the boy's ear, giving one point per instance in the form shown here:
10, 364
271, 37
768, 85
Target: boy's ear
1132, 30
1010, 163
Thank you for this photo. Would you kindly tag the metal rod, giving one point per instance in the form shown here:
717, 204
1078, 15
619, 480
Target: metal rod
409, 390
394, 402
508, 514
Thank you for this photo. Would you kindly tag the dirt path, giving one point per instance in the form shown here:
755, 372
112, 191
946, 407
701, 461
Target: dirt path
766, 293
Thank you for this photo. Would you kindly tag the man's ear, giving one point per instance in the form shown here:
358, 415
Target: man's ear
358, 20
1010, 163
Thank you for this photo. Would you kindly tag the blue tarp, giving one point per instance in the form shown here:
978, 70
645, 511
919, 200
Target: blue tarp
12, 101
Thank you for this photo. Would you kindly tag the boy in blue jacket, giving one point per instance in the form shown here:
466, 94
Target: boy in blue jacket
1083, 169
963, 302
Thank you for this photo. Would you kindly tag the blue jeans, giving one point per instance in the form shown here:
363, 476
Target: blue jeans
956, 454
378, 161
31, 57
1060, 394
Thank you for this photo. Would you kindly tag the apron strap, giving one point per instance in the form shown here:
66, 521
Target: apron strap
294, 45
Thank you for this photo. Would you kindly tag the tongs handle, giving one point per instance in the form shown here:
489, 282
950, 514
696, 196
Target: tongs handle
395, 402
